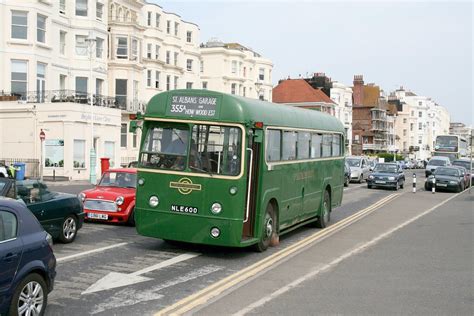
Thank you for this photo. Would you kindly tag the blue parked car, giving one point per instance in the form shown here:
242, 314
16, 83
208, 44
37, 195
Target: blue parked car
27, 262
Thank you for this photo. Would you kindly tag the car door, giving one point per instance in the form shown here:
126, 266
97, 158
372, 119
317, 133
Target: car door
10, 249
365, 168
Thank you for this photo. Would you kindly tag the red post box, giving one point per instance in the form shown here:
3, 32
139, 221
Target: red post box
104, 165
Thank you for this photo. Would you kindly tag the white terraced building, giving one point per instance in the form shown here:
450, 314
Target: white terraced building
59, 56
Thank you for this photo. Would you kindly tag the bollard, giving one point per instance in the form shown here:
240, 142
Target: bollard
434, 186
414, 182
54, 175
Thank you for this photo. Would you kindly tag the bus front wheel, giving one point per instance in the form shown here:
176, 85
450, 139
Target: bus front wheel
268, 229
325, 214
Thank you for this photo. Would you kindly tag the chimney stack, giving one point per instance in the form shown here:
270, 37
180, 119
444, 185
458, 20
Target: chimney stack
358, 90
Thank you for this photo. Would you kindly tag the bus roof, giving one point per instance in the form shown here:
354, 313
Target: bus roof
235, 109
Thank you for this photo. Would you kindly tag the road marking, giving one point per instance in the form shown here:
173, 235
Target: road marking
85, 253
115, 279
212, 291
336, 261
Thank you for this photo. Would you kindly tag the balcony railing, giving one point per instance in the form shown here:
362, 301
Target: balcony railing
74, 96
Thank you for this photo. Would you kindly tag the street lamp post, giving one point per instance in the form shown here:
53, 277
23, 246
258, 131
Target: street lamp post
91, 40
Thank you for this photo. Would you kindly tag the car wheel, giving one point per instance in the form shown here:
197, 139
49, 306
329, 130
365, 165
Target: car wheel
69, 229
397, 186
459, 188
361, 178
325, 214
268, 229
30, 296
369, 186
131, 218
402, 184
346, 182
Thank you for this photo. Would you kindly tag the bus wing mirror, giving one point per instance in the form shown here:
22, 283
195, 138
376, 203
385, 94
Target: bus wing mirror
133, 126
258, 136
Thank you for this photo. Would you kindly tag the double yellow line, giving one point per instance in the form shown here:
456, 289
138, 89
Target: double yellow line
203, 296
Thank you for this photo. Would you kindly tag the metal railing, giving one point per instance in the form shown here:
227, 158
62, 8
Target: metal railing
74, 96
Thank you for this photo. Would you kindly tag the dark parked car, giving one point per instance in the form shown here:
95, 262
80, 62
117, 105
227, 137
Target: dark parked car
347, 174
447, 178
466, 163
27, 262
388, 175
61, 214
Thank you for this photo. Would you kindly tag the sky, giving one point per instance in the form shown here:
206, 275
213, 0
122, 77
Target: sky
424, 46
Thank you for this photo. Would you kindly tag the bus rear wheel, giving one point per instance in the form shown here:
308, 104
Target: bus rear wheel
325, 214
268, 229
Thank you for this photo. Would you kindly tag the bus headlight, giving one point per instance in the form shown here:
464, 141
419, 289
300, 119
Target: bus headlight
215, 232
216, 208
141, 181
154, 201
119, 200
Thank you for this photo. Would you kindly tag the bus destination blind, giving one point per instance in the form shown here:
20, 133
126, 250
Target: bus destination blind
193, 106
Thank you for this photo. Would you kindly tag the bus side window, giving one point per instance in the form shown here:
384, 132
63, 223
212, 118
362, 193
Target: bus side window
273, 145
289, 145
316, 143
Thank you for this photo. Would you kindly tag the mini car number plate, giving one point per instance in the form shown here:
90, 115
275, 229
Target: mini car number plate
441, 185
97, 216
381, 182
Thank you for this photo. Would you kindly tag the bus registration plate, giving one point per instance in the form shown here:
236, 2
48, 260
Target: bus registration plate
184, 209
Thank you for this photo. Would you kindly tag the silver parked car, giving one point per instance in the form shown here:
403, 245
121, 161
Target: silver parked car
359, 168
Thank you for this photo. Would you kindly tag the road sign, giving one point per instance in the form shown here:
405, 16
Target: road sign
42, 135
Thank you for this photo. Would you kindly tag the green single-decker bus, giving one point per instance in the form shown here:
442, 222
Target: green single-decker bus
220, 169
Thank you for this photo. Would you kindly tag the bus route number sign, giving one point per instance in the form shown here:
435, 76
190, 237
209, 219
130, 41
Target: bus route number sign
193, 106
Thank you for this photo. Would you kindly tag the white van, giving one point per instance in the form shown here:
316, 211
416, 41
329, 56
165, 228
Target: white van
435, 162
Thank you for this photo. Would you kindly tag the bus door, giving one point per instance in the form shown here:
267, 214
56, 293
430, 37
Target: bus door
253, 152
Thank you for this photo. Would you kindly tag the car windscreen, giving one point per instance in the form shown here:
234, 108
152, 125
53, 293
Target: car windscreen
119, 179
353, 162
385, 168
447, 172
464, 164
437, 162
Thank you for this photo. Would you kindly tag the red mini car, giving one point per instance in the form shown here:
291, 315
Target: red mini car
113, 199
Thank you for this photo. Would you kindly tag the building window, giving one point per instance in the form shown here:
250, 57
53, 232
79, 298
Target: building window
189, 85
412, 113
40, 81
62, 83
420, 126
62, 6
189, 36
99, 11
411, 127
168, 83
202, 66
41, 28
134, 140
168, 27
157, 20
232, 88
176, 59
404, 120
204, 85
19, 77
81, 45
134, 49
148, 78
81, 85
189, 64
99, 83
148, 21
420, 114
79, 153
175, 82
168, 57
176, 28
123, 135
244, 92
99, 47
420, 140
109, 152
157, 79
157, 51
420, 103
122, 48
20, 24
62, 42
148, 51
121, 93
261, 74
81, 7
404, 132
234, 67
